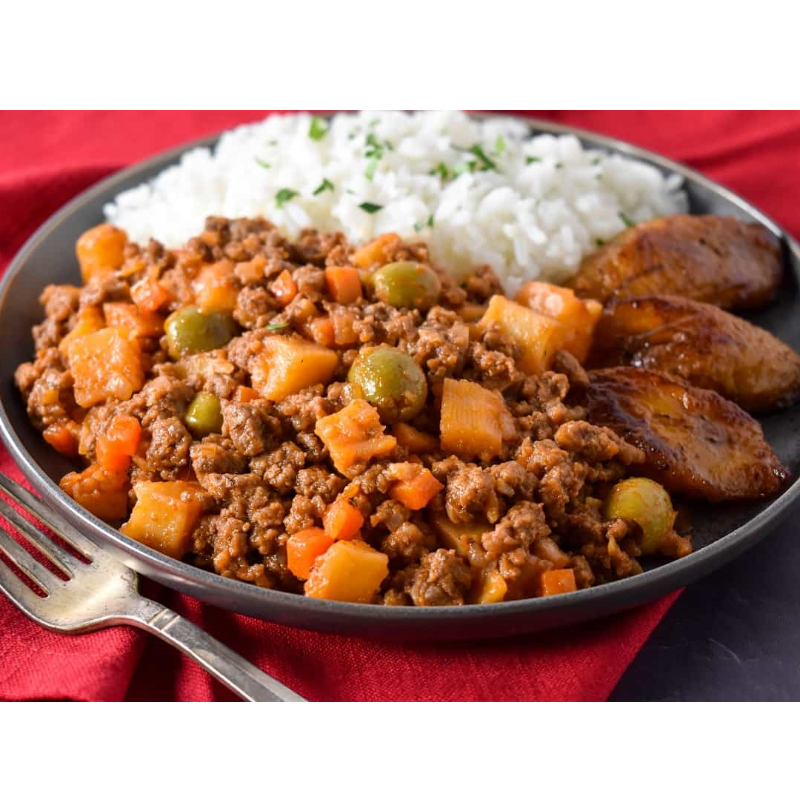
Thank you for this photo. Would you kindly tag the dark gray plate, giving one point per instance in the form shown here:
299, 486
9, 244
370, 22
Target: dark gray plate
720, 533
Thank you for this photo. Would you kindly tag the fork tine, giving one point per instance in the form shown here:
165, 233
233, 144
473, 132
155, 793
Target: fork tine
30, 502
44, 544
19, 594
24, 561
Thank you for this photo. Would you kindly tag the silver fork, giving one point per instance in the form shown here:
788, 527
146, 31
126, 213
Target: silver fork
103, 593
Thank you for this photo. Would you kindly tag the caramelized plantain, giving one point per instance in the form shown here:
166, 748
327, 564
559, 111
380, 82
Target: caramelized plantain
702, 344
695, 442
717, 260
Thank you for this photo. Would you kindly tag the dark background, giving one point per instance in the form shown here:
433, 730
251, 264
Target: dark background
732, 636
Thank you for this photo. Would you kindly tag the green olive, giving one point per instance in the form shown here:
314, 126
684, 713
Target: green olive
391, 381
407, 284
190, 330
204, 414
645, 502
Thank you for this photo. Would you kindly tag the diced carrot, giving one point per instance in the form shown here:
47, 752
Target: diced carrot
342, 520
149, 294
474, 420
101, 250
215, 288
416, 489
63, 436
557, 581
303, 549
118, 443
354, 435
244, 394
321, 331
165, 515
135, 320
378, 252
344, 284
284, 288
414, 441
350, 571
100, 492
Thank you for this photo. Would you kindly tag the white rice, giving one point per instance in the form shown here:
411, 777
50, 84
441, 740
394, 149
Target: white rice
531, 209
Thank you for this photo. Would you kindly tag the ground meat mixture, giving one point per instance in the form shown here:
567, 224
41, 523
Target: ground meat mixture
283, 410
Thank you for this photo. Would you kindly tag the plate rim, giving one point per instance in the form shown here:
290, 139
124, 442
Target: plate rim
626, 592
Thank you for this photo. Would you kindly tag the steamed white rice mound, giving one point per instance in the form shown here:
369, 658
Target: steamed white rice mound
478, 191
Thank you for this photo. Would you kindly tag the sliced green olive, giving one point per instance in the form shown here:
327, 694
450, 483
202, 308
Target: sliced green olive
645, 502
190, 330
204, 414
407, 284
391, 381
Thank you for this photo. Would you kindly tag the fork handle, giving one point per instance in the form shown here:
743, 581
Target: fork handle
228, 667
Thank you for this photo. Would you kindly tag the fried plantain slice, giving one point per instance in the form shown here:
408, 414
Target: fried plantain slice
695, 442
719, 260
702, 344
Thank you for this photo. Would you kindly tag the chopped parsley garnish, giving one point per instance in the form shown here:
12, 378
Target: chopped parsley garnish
463, 167
284, 196
559, 165
324, 186
599, 242
262, 163
486, 162
500, 145
370, 208
441, 169
418, 226
629, 223
532, 159
317, 129
596, 160
277, 326
374, 153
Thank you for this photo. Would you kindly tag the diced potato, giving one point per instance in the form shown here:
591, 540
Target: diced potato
537, 336
165, 515
557, 302
105, 365
491, 587
474, 420
216, 288
354, 435
100, 492
101, 250
458, 535
378, 252
90, 320
136, 321
414, 441
288, 364
350, 571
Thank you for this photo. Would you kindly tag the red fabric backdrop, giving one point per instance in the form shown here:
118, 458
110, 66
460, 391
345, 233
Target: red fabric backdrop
48, 157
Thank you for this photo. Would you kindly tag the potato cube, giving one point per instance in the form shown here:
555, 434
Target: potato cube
350, 571
165, 515
288, 364
105, 365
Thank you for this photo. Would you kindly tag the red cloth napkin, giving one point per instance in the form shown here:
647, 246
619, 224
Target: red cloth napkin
48, 157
